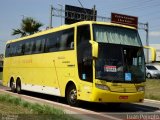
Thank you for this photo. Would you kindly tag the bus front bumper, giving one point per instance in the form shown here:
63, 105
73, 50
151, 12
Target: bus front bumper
108, 96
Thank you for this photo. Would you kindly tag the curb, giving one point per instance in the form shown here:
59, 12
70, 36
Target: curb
153, 101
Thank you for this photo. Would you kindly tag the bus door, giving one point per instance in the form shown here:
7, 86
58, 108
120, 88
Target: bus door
84, 57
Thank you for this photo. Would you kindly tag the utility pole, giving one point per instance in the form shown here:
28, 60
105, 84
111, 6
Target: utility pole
51, 14
94, 12
147, 41
145, 27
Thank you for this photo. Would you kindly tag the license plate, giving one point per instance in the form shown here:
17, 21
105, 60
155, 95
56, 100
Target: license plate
123, 97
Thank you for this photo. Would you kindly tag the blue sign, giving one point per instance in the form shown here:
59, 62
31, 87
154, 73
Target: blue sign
83, 76
128, 77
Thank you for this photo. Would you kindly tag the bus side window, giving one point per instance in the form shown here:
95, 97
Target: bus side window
38, 45
67, 38
7, 52
70, 40
27, 47
63, 41
30, 46
51, 43
42, 45
34, 47
13, 49
19, 50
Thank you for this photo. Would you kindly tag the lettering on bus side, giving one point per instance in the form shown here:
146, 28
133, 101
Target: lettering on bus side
71, 65
23, 61
27, 61
65, 61
61, 57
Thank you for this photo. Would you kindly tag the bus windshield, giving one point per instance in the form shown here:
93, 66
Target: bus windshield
120, 55
116, 35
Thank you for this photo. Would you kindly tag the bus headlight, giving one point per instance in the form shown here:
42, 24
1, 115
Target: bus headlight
141, 88
103, 87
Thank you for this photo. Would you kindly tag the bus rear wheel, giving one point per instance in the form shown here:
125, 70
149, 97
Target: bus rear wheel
72, 96
18, 86
12, 86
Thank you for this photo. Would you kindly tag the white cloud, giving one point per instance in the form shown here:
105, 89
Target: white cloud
155, 34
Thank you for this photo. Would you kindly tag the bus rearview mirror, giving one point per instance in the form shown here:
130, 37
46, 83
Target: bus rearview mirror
94, 48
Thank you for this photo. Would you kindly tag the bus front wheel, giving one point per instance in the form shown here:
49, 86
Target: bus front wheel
72, 96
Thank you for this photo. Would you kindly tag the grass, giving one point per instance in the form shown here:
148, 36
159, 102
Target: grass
153, 89
14, 105
0, 75
8, 108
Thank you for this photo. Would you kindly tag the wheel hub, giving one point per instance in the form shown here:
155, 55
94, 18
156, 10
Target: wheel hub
73, 96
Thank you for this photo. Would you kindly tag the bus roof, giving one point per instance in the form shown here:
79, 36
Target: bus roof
63, 27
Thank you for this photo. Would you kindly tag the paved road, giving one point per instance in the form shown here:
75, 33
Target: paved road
93, 111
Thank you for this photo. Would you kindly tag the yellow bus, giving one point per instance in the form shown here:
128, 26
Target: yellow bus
88, 61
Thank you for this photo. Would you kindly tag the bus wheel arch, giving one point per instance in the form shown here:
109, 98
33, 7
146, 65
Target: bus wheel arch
12, 85
18, 85
71, 94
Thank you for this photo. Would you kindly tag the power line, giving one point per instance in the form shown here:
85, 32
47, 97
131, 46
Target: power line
135, 6
151, 14
154, 18
80, 3
82, 6
142, 8
125, 4
155, 27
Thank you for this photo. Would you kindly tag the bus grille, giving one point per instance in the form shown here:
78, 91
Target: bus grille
123, 89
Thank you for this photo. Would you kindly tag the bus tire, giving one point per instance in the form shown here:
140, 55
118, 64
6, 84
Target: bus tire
12, 85
72, 96
18, 86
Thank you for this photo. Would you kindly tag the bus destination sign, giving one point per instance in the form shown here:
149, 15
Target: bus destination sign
124, 19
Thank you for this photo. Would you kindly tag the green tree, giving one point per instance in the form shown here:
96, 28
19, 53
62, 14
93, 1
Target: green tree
28, 26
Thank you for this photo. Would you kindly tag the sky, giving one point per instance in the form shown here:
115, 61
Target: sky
13, 11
